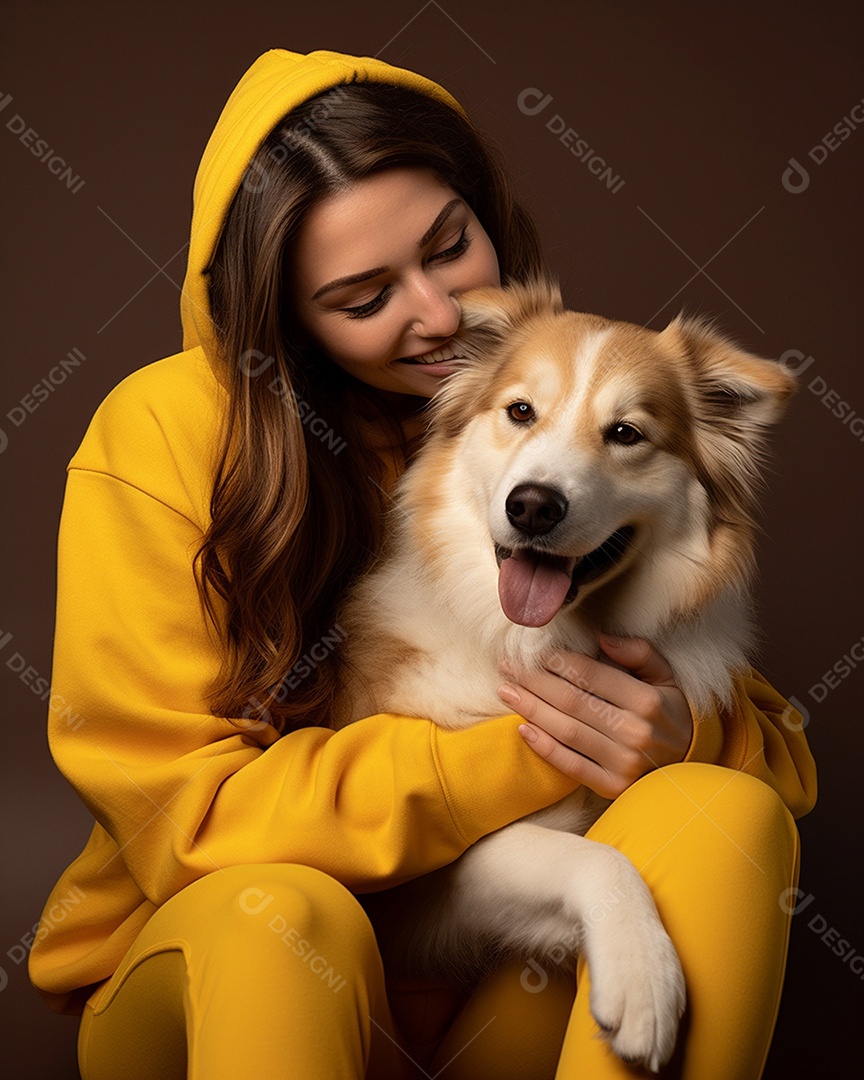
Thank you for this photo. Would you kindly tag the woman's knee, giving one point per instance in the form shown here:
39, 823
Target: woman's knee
699, 787
296, 903
701, 803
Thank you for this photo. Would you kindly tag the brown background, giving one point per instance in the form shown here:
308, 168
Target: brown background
698, 108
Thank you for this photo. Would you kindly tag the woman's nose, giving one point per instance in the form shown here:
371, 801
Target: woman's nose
436, 311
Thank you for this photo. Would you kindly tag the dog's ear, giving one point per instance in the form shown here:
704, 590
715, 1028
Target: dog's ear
738, 397
738, 394
491, 314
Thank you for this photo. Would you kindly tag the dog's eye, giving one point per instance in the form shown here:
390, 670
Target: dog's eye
520, 411
624, 435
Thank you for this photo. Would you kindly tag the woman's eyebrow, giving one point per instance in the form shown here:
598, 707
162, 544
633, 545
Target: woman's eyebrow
446, 211
353, 279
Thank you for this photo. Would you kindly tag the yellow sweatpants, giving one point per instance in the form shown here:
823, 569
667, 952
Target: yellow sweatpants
272, 971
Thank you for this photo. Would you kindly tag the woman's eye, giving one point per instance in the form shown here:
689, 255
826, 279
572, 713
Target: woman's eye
520, 411
369, 308
361, 311
624, 435
456, 249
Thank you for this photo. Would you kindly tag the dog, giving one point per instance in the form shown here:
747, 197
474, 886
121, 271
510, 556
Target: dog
578, 474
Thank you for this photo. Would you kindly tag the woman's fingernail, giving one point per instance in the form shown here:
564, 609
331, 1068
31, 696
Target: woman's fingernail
613, 639
527, 733
509, 694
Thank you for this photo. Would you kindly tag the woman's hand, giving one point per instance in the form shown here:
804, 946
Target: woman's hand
601, 725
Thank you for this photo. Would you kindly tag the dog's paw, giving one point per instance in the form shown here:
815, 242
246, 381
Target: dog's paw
638, 993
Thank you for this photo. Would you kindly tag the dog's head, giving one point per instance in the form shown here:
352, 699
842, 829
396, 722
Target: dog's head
609, 456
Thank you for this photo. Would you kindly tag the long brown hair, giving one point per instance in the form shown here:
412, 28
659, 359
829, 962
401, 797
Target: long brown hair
294, 519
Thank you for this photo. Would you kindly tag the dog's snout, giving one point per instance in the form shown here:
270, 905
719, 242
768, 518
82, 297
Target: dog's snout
535, 509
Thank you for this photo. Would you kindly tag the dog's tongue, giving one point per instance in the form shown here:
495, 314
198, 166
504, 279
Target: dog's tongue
532, 591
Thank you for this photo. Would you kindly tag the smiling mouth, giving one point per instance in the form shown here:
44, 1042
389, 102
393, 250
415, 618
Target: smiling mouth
534, 585
437, 356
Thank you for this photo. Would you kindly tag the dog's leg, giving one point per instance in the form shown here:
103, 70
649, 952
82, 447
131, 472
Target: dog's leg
537, 893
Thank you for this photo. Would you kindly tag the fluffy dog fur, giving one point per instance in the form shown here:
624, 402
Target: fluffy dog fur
618, 468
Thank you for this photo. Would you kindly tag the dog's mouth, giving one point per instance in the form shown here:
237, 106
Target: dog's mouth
534, 585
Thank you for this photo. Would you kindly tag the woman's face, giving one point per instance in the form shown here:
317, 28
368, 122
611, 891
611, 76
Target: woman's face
376, 273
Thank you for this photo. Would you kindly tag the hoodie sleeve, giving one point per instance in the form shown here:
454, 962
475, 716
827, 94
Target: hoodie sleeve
181, 792
762, 734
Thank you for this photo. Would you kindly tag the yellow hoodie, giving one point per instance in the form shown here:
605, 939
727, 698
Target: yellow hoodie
177, 793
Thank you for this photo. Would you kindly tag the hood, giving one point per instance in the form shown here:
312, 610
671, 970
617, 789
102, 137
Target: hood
277, 82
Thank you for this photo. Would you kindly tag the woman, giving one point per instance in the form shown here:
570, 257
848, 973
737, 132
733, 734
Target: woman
217, 509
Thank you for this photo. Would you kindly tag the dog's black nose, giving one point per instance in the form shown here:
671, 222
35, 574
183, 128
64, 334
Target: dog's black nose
534, 509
